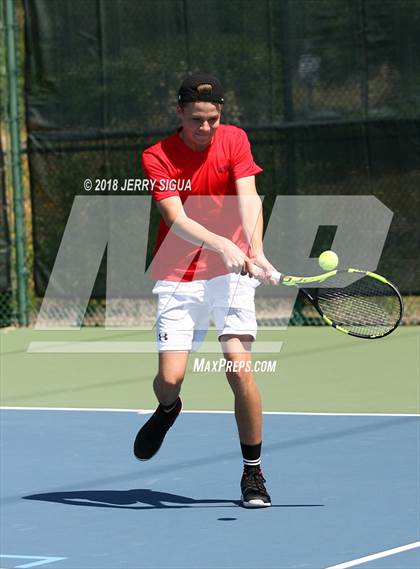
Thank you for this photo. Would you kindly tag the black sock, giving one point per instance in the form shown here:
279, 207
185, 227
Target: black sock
251, 455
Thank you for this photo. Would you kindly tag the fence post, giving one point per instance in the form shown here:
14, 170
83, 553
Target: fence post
14, 127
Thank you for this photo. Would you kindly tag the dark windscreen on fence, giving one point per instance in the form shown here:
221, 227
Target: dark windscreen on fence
4, 231
326, 90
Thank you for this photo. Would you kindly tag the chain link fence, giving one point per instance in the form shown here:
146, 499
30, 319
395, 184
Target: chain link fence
328, 92
7, 304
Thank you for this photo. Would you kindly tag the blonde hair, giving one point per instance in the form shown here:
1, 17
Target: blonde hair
204, 88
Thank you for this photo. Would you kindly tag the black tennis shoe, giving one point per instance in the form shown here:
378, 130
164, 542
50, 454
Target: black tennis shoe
150, 437
254, 493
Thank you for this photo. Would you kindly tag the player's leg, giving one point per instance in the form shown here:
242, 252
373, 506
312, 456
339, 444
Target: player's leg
248, 414
171, 373
166, 385
234, 313
178, 311
174, 332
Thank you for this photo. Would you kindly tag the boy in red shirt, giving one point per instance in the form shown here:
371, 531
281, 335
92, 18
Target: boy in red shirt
209, 244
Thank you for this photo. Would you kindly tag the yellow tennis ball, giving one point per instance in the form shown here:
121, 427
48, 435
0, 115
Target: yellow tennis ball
328, 260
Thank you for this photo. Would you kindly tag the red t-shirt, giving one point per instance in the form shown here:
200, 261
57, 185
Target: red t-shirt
203, 180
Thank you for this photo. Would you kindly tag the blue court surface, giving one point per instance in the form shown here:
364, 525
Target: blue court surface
74, 497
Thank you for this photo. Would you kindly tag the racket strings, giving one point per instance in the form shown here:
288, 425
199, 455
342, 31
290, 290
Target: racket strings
367, 307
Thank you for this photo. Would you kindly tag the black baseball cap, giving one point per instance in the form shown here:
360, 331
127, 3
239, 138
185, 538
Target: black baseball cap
188, 91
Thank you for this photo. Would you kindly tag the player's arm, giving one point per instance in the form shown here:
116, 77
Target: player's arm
250, 208
172, 212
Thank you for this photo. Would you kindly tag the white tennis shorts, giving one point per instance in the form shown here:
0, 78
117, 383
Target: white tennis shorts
185, 309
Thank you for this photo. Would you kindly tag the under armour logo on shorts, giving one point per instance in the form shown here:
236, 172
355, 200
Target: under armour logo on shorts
163, 336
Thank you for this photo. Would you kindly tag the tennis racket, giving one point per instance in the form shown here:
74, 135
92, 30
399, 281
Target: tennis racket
370, 307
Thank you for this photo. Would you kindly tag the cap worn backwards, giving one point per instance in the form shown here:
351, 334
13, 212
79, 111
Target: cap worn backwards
189, 93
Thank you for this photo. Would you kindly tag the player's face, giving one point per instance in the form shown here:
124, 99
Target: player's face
199, 122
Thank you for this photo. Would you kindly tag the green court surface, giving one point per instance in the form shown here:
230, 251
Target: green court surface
317, 370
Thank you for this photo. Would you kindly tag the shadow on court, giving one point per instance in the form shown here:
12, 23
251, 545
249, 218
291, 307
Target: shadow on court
126, 499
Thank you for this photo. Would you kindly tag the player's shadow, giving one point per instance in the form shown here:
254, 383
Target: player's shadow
129, 499
137, 499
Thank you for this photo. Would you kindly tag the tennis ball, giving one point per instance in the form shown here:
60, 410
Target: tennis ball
328, 260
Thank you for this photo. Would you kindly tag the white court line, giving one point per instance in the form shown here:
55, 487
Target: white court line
145, 411
374, 556
134, 347
44, 560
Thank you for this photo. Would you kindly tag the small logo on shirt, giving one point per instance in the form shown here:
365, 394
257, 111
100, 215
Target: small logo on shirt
163, 336
222, 169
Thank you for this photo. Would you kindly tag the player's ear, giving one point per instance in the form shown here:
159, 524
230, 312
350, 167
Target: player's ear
179, 111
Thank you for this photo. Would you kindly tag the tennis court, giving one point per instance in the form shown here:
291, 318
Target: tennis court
319, 102
341, 456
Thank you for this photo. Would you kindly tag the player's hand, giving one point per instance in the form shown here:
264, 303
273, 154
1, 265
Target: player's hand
233, 257
266, 269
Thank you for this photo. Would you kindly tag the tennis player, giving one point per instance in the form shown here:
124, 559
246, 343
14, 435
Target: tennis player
209, 240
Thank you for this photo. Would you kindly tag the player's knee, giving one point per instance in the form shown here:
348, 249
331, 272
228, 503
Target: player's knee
239, 373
